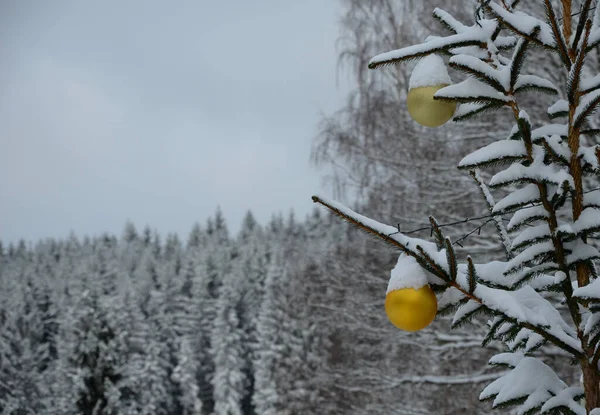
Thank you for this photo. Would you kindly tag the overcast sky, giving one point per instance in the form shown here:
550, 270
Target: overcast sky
159, 111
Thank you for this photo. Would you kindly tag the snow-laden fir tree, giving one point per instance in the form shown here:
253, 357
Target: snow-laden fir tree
229, 379
208, 254
22, 354
184, 376
550, 208
282, 366
271, 353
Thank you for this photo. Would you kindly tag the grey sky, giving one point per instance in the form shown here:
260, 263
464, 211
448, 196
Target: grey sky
159, 111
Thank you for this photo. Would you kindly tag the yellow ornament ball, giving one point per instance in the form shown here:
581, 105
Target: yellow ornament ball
427, 111
411, 309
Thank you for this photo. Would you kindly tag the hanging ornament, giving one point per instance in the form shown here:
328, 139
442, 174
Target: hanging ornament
410, 303
428, 77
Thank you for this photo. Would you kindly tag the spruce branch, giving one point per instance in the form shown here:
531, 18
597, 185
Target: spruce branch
561, 43
492, 331
529, 205
587, 106
426, 261
411, 52
559, 109
583, 18
559, 250
573, 90
435, 231
357, 222
477, 68
473, 37
467, 312
451, 259
490, 203
592, 132
467, 111
590, 84
472, 275
468, 98
552, 220
449, 22
554, 154
508, 19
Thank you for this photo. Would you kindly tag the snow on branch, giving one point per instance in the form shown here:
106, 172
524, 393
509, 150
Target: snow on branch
489, 199
537, 172
580, 252
524, 217
581, 25
559, 109
522, 197
530, 310
588, 292
468, 110
426, 253
471, 90
524, 25
534, 83
587, 85
475, 35
497, 153
531, 381
566, 400
498, 79
587, 106
591, 157
525, 306
531, 255
531, 235
558, 34
448, 21
592, 198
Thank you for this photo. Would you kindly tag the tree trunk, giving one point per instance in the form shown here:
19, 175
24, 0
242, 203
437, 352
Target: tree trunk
591, 385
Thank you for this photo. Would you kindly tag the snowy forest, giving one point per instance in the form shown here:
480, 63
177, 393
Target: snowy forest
284, 317
278, 319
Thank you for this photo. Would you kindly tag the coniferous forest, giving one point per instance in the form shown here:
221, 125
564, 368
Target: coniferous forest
133, 324
279, 319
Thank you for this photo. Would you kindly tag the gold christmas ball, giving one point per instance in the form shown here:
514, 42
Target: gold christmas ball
427, 111
411, 309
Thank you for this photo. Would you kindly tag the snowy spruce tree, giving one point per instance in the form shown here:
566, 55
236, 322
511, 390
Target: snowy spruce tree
539, 182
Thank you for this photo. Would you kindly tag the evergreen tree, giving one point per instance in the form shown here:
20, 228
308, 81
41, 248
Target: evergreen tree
195, 237
159, 392
278, 363
253, 260
130, 232
230, 381
209, 265
221, 232
131, 248
22, 355
96, 351
553, 210
184, 376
